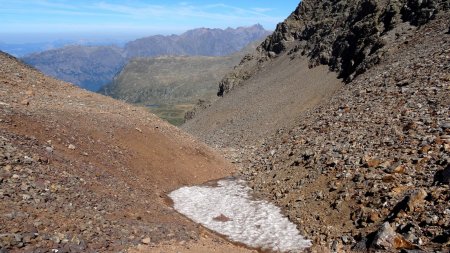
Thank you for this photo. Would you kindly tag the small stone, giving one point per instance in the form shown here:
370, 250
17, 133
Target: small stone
442, 176
336, 246
221, 218
416, 198
345, 239
146, 240
71, 146
7, 168
49, 149
386, 238
28, 237
374, 216
27, 160
425, 149
401, 169
447, 147
373, 163
403, 83
370, 161
24, 187
25, 102
18, 237
388, 178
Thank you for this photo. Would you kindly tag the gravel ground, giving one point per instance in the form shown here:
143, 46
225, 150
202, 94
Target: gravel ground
374, 161
80, 172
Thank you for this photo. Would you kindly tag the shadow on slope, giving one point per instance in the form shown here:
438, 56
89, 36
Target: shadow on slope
269, 100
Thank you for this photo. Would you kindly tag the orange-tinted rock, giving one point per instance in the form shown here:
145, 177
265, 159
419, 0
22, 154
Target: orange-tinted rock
416, 198
386, 238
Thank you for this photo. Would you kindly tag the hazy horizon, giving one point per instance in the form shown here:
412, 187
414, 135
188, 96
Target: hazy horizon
36, 38
53, 20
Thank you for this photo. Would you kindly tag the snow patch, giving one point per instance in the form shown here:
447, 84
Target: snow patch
229, 209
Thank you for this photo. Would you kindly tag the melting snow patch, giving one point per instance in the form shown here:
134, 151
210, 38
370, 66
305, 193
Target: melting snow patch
229, 209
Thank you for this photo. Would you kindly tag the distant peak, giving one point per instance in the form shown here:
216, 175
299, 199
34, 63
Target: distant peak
259, 26
253, 27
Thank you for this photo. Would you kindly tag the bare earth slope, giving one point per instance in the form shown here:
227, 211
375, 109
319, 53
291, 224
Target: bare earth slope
268, 101
81, 172
346, 37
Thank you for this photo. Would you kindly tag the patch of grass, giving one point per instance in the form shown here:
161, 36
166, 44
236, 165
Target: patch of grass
174, 114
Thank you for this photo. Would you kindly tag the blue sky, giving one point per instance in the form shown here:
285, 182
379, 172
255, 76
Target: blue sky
36, 20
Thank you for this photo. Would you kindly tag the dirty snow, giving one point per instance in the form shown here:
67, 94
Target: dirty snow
229, 210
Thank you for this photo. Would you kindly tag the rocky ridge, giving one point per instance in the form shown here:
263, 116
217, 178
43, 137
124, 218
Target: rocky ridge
345, 35
200, 42
369, 169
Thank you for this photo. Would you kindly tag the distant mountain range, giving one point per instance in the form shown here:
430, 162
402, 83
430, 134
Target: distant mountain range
86, 66
202, 41
171, 85
91, 67
22, 49
26, 48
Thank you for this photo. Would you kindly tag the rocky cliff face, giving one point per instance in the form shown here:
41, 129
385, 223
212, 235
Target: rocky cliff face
345, 35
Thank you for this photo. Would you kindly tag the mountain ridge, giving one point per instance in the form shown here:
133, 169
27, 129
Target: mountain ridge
344, 36
170, 86
68, 63
200, 41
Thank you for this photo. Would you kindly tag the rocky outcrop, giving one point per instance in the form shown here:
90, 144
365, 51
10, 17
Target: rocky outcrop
369, 169
345, 35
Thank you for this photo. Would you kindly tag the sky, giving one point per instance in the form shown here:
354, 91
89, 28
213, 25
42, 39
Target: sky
44, 20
